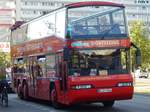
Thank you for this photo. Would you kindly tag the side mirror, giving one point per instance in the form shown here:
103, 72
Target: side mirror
138, 57
66, 54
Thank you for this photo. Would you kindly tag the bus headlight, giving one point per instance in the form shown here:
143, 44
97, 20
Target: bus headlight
86, 86
123, 84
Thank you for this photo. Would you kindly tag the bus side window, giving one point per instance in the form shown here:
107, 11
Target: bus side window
31, 66
40, 66
15, 67
37, 70
20, 64
27, 67
59, 64
51, 65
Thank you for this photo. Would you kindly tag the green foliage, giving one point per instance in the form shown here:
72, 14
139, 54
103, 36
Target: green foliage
139, 36
4, 59
2, 76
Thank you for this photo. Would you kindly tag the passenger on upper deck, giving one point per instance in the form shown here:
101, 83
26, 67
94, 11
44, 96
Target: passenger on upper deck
78, 30
115, 29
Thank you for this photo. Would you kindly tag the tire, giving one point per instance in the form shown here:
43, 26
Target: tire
25, 92
108, 104
19, 92
54, 99
146, 77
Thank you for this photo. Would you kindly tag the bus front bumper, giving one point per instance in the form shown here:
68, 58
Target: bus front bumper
99, 94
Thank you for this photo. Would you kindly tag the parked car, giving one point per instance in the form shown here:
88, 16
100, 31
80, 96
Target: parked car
144, 74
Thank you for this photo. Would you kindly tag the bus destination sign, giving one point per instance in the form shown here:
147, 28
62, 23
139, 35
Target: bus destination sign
99, 43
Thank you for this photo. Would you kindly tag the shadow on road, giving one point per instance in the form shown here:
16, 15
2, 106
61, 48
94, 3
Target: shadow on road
93, 107
39, 104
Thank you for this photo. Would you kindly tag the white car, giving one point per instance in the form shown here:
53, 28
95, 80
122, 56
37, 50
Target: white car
144, 74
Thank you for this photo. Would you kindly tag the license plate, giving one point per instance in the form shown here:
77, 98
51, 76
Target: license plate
106, 90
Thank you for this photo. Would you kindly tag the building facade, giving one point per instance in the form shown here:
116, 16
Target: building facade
25, 10
29, 9
7, 18
136, 10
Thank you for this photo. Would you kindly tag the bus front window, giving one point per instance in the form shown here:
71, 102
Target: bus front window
96, 22
112, 61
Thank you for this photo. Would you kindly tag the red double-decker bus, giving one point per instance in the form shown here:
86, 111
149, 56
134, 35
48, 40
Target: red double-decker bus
75, 54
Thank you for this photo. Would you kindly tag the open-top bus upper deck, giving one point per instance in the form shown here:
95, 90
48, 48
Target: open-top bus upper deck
83, 20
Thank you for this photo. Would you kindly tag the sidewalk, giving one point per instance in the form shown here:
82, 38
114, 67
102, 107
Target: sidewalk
142, 86
144, 90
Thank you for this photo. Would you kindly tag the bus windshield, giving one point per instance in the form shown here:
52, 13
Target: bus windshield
96, 22
112, 61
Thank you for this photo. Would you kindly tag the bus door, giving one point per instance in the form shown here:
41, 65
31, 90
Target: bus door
42, 90
62, 72
32, 76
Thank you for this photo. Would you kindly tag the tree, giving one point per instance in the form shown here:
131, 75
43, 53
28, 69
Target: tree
139, 36
4, 61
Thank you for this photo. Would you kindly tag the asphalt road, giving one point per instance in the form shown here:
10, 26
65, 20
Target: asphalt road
139, 103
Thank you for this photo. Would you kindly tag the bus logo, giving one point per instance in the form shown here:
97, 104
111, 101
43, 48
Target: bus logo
80, 44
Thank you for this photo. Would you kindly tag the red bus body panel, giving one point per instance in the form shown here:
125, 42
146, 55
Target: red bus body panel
41, 90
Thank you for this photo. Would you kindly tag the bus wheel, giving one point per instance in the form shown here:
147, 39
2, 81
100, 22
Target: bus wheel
54, 99
108, 103
25, 92
19, 92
